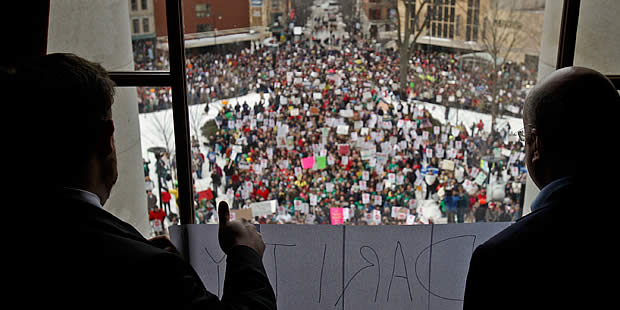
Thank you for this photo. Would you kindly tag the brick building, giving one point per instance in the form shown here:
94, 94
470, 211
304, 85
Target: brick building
206, 15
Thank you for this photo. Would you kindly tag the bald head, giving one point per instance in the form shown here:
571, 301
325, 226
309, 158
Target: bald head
571, 103
572, 113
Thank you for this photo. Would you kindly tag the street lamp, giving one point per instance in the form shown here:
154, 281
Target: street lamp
215, 29
160, 169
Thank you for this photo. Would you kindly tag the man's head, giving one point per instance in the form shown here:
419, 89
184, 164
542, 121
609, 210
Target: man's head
568, 117
69, 100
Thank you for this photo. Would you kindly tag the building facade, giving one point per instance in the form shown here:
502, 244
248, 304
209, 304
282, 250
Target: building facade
377, 17
206, 15
503, 28
142, 26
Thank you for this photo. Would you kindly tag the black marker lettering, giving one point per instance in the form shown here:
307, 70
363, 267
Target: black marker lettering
406, 276
275, 262
360, 270
321, 278
430, 263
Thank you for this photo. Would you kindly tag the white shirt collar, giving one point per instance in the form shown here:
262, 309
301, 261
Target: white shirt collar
81, 195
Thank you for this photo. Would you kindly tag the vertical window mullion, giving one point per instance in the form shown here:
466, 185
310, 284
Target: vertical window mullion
180, 109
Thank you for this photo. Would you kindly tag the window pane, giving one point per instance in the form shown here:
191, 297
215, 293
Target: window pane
158, 152
112, 30
234, 65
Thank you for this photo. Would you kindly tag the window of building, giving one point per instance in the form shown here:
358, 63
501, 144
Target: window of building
135, 26
134, 5
144, 4
203, 10
374, 14
275, 4
473, 13
145, 25
445, 24
442, 18
204, 28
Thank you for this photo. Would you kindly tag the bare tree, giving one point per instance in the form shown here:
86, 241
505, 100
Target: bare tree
164, 125
503, 34
197, 118
407, 34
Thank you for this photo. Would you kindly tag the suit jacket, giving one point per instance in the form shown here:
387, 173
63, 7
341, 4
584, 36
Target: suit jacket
549, 259
99, 261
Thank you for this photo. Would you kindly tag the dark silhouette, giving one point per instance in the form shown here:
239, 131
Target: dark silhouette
96, 260
560, 249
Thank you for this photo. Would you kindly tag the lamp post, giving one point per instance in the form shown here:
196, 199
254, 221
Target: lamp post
215, 29
160, 169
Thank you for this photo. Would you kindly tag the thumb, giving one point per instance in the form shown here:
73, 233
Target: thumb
223, 213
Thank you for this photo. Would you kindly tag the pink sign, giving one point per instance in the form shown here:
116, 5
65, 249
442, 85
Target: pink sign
337, 216
307, 162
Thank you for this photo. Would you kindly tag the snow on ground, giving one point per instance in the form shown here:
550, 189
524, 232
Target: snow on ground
156, 127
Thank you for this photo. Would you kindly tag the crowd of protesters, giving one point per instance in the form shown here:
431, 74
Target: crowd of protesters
372, 151
435, 77
406, 168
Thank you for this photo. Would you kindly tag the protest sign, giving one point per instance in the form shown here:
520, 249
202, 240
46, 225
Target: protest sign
242, 214
307, 163
480, 178
342, 130
346, 113
337, 218
447, 164
264, 208
313, 199
410, 219
377, 198
362, 185
329, 187
321, 162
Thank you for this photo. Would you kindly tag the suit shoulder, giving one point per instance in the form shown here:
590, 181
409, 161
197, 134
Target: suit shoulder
518, 234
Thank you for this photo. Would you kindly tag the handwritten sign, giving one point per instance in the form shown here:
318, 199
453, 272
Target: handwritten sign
352, 267
337, 218
264, 208
307, 163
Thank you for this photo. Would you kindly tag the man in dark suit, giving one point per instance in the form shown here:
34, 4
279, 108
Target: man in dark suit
554, 256
88, 258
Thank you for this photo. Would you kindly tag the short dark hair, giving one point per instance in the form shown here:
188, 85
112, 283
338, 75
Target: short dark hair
66, 97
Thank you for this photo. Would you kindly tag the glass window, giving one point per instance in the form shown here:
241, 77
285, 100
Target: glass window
203, 10
136, 26
145, 25
144, 4
134, 5
244, 90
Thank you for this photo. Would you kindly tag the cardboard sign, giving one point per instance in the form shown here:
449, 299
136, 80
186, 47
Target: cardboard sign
242, 214
264, 208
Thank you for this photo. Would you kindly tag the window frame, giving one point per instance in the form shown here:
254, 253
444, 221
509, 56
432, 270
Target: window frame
176, 80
